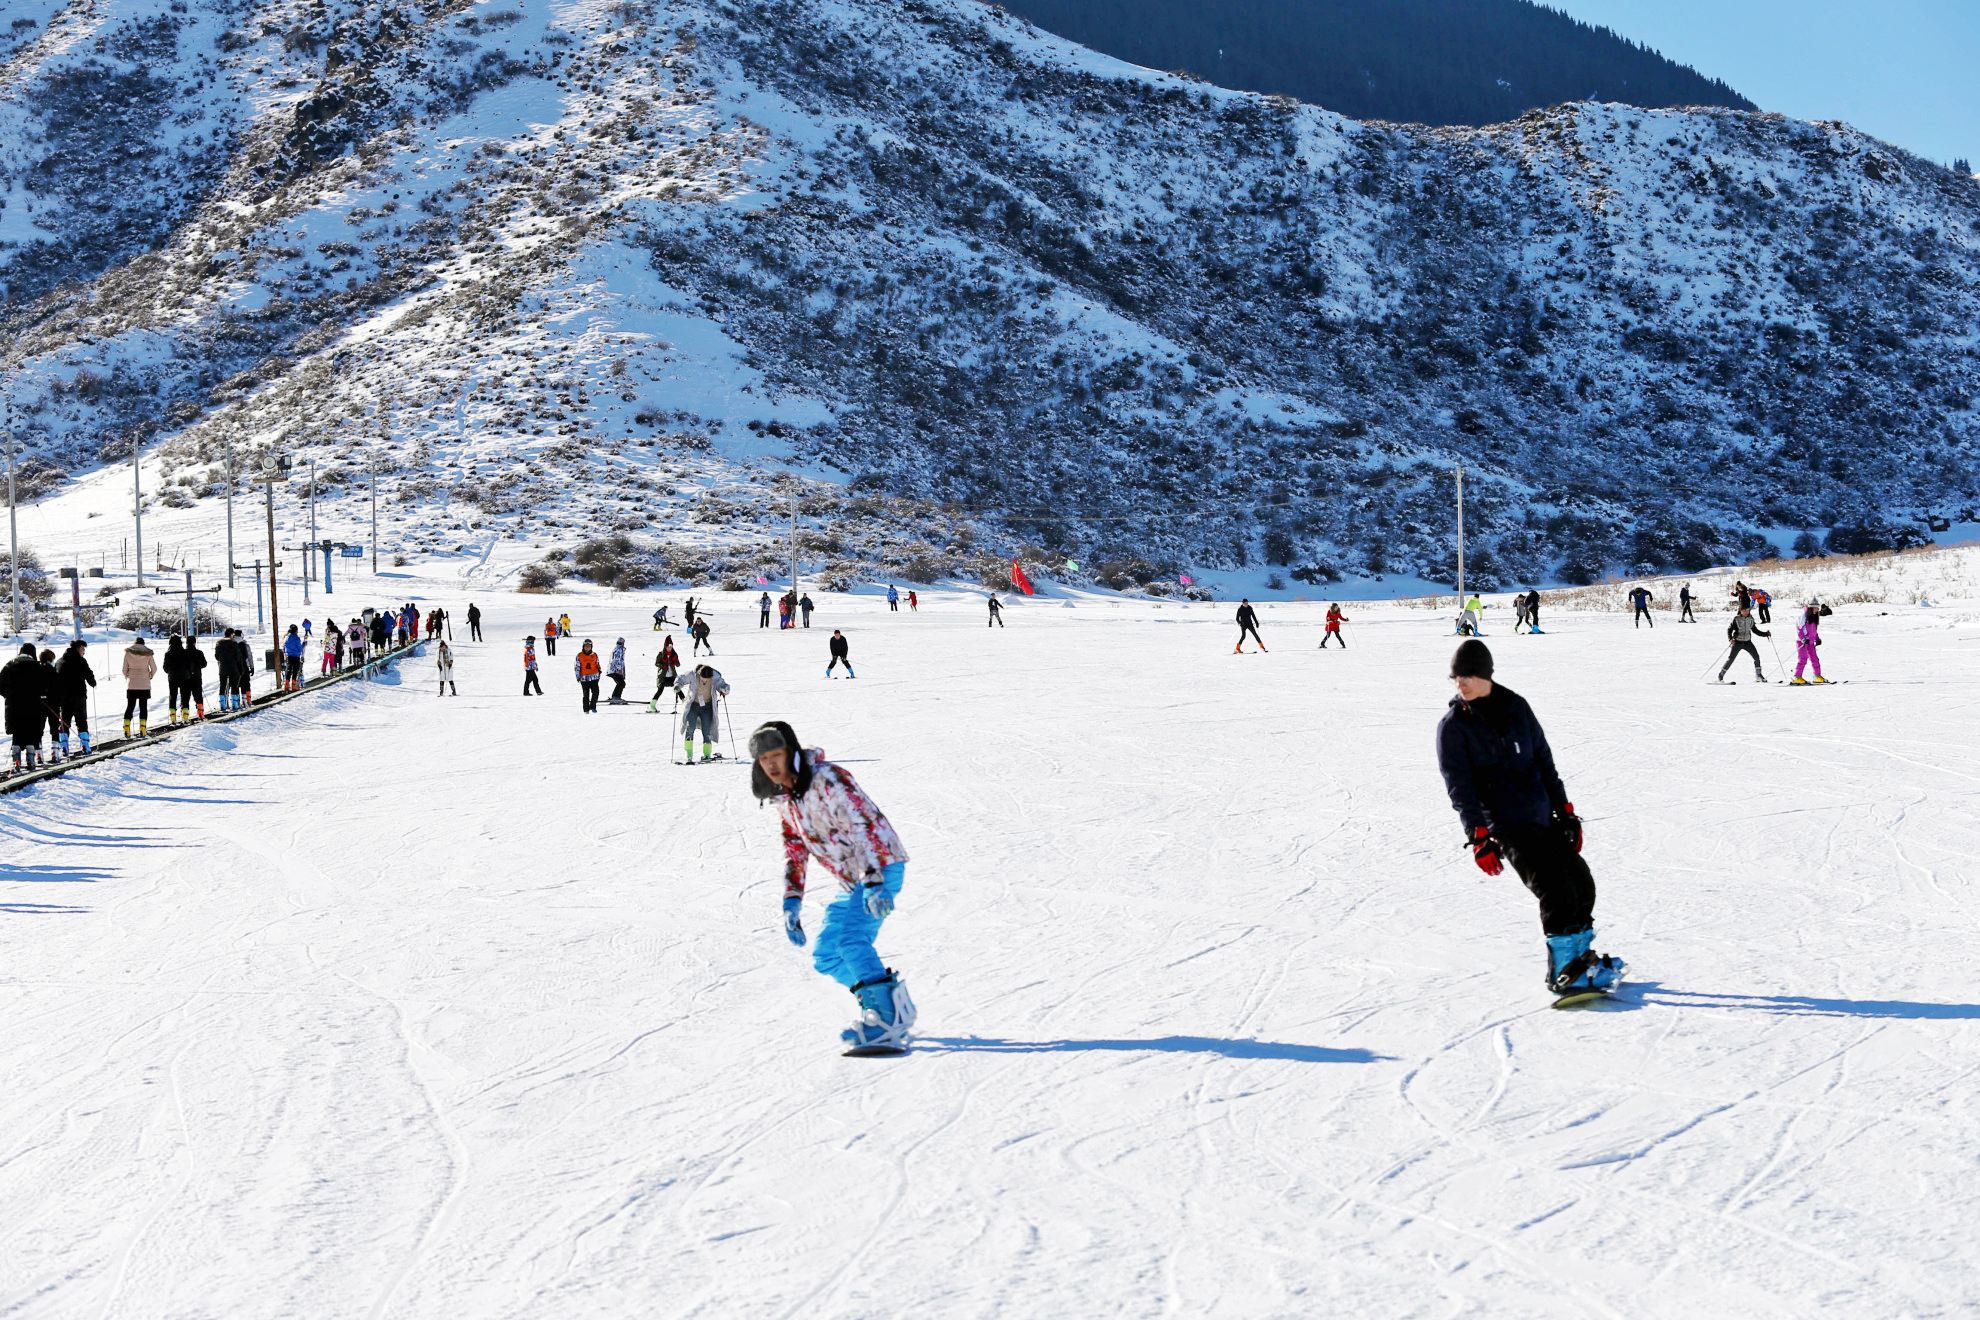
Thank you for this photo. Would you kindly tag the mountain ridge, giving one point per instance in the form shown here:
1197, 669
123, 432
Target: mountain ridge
582, 270
1441, 62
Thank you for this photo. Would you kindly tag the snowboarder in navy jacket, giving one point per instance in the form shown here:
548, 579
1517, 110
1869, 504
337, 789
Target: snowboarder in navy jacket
1499, 772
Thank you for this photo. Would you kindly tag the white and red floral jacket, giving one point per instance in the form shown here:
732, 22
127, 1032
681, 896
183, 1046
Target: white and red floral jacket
836, 823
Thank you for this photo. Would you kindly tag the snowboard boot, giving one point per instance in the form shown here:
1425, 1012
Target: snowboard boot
1567, 961
886, 1014
1573, 965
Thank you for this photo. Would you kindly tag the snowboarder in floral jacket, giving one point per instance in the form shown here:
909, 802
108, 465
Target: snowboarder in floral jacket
826, 815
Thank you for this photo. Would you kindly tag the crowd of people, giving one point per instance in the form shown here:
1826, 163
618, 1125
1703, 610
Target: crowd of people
47, 700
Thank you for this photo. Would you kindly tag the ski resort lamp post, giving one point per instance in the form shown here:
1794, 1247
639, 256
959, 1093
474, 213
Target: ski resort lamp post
1460, 531
13, 535
137, 506
230, 511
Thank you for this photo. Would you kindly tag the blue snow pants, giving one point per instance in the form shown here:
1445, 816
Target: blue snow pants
844, 950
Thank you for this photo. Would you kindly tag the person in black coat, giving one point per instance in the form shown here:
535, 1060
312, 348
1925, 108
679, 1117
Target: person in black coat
173, 662
474, 622
1247, 622
841, 652
73, 680
192, 679
1500, 774
23, 689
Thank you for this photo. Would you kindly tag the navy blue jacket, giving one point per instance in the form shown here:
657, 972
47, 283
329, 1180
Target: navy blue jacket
1496, 764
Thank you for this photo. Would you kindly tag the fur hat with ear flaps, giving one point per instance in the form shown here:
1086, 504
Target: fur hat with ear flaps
770, 736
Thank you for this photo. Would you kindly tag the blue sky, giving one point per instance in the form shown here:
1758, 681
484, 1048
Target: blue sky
1907, 71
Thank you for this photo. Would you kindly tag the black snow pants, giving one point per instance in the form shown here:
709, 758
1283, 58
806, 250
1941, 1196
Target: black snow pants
1643, 614
1246, 630
1685, 617
1549, 866
1733, 655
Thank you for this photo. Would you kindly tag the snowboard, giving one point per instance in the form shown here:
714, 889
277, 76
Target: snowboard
1581, 998
875, 1052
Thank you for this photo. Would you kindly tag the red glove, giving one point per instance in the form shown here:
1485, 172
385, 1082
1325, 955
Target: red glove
1570, 825
1485, 851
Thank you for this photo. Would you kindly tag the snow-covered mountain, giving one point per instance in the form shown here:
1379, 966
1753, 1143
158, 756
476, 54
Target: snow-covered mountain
951, 287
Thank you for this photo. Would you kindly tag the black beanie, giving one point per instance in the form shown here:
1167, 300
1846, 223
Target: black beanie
1472, 660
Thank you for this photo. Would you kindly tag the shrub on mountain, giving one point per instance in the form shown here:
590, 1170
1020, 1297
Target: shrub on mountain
1873, 534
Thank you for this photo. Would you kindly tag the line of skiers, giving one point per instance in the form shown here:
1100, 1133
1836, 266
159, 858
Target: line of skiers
43, 696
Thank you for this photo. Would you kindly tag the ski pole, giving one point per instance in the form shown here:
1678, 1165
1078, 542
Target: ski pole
1780, 665
673, 724
730, 721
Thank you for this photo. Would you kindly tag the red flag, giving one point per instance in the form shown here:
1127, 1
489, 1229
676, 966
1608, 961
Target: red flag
1019, 580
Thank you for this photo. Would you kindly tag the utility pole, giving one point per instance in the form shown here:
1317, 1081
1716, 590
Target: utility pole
309, 557
230, 510
1460, 516
794, 580
374, 517
137, 505
274, 602
13, 535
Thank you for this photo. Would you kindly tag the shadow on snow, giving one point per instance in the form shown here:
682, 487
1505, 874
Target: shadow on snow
1650, 992
1230, 1049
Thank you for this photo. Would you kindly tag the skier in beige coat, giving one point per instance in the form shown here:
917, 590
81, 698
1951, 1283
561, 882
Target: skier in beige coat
140, 667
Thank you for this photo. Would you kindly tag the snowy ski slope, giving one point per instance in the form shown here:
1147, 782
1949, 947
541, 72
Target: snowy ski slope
408, 1006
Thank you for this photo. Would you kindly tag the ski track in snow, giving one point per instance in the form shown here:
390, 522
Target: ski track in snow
392, 1005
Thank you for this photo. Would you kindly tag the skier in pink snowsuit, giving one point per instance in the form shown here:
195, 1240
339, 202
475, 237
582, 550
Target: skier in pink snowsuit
1806, 638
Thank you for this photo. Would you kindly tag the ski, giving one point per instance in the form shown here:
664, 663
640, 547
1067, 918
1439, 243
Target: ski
874, 1052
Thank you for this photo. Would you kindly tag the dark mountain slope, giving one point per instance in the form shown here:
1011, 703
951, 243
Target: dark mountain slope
1417, 61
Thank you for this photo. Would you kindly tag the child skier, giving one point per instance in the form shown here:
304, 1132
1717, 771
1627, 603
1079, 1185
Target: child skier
1334, 621
825, 815
531, 683
615, 669
586, 669
1806, 638
1499, 772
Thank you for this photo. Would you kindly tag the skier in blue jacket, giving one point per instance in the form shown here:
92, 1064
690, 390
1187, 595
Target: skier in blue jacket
292, 654
1499, 772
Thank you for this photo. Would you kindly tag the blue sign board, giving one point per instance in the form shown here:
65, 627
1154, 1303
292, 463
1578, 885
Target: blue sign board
351, 551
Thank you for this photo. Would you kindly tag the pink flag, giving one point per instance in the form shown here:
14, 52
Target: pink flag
1183, 578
